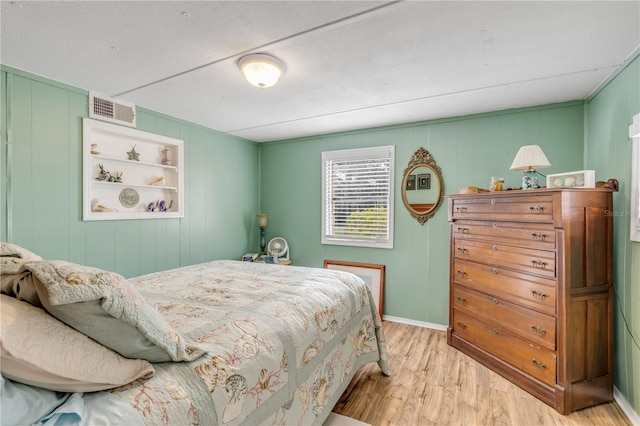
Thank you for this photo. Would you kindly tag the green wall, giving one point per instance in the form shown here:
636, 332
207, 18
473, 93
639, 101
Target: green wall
469, 151
42, 187
608, 151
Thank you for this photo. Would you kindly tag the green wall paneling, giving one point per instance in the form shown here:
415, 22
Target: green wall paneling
468, 149
45, 206
608, 152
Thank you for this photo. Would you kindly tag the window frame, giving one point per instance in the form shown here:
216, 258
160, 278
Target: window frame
634, 222
377, 152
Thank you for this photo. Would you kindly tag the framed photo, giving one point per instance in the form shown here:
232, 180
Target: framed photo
579, 179
411, 182
424, 181
371, 273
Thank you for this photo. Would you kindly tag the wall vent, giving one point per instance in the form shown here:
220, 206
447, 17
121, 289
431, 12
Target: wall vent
104, 108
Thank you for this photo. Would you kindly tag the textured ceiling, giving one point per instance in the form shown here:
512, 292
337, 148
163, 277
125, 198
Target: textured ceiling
350, 64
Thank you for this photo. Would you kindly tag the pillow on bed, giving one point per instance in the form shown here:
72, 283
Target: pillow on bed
12, 257
12, 250
37, 349
106, 307
20, 286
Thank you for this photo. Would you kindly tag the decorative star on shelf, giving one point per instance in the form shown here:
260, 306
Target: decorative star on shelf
133, 155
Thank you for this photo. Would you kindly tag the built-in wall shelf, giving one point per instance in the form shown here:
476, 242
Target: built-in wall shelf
131, 174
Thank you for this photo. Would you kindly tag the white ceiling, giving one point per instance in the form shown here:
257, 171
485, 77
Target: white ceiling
350, 64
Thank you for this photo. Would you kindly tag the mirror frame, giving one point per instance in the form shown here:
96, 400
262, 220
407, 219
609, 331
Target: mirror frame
422, 158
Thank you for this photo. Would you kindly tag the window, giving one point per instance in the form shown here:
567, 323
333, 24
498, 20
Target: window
357, 197
634, 135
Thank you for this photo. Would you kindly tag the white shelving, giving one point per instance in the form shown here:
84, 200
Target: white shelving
136, 157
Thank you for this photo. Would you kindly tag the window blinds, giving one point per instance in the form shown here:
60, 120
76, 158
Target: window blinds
358, 196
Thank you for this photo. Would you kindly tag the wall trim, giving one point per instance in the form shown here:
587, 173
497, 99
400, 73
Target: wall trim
44, 80
407, 321
8, 160
617, 71
627, 409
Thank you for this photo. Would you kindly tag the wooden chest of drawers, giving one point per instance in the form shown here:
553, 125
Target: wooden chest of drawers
531, 290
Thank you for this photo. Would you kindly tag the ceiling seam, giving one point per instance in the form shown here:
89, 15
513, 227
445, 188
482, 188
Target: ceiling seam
262, 46
441, 95
614, 74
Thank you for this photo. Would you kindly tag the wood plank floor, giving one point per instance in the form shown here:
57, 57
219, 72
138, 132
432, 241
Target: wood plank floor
434, 384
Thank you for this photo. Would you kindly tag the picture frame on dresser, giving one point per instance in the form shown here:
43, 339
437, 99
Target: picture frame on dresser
577, 179
370, 273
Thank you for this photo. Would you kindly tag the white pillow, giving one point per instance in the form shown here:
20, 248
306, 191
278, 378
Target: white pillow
12, 250
36, 349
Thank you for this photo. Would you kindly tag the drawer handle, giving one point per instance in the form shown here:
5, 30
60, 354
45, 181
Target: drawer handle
493, 202
461, 325
541, 365
495, 331
539, 294
462, 273
461, 209
495, 301
462, 229
494, 248
539, 264
494, 271
539, 236
536, 209
462, 250
461, 299
539, 330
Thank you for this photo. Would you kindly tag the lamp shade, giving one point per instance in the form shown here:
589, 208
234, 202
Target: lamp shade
530, 157
261, 70
262, 220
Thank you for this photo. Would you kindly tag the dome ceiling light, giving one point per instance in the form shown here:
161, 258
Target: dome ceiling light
261, 70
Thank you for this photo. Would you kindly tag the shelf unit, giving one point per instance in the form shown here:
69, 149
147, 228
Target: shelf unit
112, 145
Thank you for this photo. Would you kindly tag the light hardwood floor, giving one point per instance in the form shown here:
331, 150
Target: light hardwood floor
434, 384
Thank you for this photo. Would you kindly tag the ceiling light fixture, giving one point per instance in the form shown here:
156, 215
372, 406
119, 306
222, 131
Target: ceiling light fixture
261, 70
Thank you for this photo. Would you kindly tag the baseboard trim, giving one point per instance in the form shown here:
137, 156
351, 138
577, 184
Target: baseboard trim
617, 395
626, 407
414, 322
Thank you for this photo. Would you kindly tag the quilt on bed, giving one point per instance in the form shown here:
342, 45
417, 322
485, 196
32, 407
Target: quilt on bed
281, 343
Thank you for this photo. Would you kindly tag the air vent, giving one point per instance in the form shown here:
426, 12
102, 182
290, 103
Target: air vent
105, 108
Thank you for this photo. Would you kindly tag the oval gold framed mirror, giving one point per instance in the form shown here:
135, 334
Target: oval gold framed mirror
422, 186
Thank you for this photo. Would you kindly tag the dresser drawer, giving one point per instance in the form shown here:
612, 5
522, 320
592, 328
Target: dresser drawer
539, 262
498, 341
530, 325
532, 235
500, 207
526, 290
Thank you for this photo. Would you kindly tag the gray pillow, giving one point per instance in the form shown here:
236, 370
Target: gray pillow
91, 319
106, 307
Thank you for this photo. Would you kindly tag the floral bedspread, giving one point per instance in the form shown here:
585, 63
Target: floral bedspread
281, 343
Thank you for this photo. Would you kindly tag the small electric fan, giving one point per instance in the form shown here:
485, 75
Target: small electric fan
279, 248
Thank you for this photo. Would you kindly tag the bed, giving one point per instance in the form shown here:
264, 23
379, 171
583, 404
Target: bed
223, 342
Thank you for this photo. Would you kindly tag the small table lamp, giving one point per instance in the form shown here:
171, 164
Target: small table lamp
262, 224
530, 158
